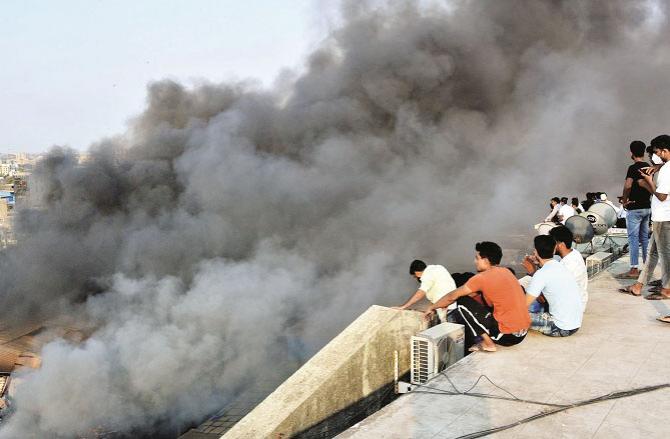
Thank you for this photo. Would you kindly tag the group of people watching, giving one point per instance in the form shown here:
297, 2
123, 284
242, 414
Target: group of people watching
560, 210
645, 197
495, 307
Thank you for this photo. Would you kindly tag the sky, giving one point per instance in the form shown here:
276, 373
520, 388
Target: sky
75, 71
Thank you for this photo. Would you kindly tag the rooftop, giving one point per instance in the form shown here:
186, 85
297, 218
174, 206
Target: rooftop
619, 347
14, 341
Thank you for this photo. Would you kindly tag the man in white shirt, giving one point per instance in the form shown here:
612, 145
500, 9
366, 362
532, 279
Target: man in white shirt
435, 282
555, 205
565, 211
560, 290
660, 211
572, 260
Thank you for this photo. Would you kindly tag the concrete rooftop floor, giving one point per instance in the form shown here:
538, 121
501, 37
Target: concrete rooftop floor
619, 347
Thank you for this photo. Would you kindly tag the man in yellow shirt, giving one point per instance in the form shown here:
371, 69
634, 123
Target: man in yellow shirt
435, 281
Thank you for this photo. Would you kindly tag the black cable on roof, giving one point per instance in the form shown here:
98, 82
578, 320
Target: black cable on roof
557, 408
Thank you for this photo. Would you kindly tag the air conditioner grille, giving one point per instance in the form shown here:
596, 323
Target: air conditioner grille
434, 349
420, 361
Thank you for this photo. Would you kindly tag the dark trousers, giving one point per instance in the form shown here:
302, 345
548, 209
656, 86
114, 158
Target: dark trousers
478, 319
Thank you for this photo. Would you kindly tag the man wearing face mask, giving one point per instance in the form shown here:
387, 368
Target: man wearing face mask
653, 158
660, 210
636, 199
435, 282
647, 272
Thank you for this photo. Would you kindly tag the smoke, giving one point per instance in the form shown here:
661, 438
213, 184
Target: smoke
233, 230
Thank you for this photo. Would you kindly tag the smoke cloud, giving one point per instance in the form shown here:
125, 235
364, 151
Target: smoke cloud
234, 230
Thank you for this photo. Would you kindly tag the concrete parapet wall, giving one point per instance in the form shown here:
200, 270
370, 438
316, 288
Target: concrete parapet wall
598, 262
353, 366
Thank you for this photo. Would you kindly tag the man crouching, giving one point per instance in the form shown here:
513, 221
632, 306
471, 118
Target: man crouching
501, 317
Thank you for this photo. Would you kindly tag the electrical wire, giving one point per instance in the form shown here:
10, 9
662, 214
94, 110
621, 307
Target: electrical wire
607, 397
556, 408
435, 390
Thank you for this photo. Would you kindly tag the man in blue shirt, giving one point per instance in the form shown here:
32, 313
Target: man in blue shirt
560, 290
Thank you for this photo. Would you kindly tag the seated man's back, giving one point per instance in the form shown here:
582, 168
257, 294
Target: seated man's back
572, 260
575, 264
436, 282
562, 293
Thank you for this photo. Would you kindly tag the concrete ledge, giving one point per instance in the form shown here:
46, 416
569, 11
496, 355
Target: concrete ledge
355, 365
598, 262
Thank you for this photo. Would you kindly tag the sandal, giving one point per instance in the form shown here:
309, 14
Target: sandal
656, 283
664, 319
657, 296
627, 290
626, 275
655, 289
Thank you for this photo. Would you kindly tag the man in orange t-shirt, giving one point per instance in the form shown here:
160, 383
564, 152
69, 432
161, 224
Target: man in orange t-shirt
503, 319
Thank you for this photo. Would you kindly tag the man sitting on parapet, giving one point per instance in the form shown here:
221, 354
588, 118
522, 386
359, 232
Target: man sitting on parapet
565, 211
435, 282
559, 288
555, 206
503, 317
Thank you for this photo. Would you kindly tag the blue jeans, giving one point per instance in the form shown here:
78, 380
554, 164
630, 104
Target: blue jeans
637, 225
544, 323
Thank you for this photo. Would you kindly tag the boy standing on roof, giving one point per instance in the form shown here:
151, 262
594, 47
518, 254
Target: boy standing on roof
637, 200
660, 212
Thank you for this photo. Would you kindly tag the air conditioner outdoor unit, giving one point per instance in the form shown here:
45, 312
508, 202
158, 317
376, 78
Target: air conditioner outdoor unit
435, 349
4, 381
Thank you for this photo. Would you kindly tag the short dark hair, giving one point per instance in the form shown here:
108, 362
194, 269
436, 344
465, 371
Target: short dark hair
661, 142
562, 234
416, 265
574, 201
545, 246
490, 251
637, 148
564, 200
556, 199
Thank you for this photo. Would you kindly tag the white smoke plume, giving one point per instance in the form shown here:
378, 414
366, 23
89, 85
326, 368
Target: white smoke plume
233, 230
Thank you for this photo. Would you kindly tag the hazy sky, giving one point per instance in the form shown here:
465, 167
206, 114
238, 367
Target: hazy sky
73, 71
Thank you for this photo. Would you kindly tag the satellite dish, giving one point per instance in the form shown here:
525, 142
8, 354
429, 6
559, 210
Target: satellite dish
543, 228
606, 212
598, 223
581, 228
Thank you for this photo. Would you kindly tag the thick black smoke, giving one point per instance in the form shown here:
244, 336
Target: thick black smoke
233, 229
